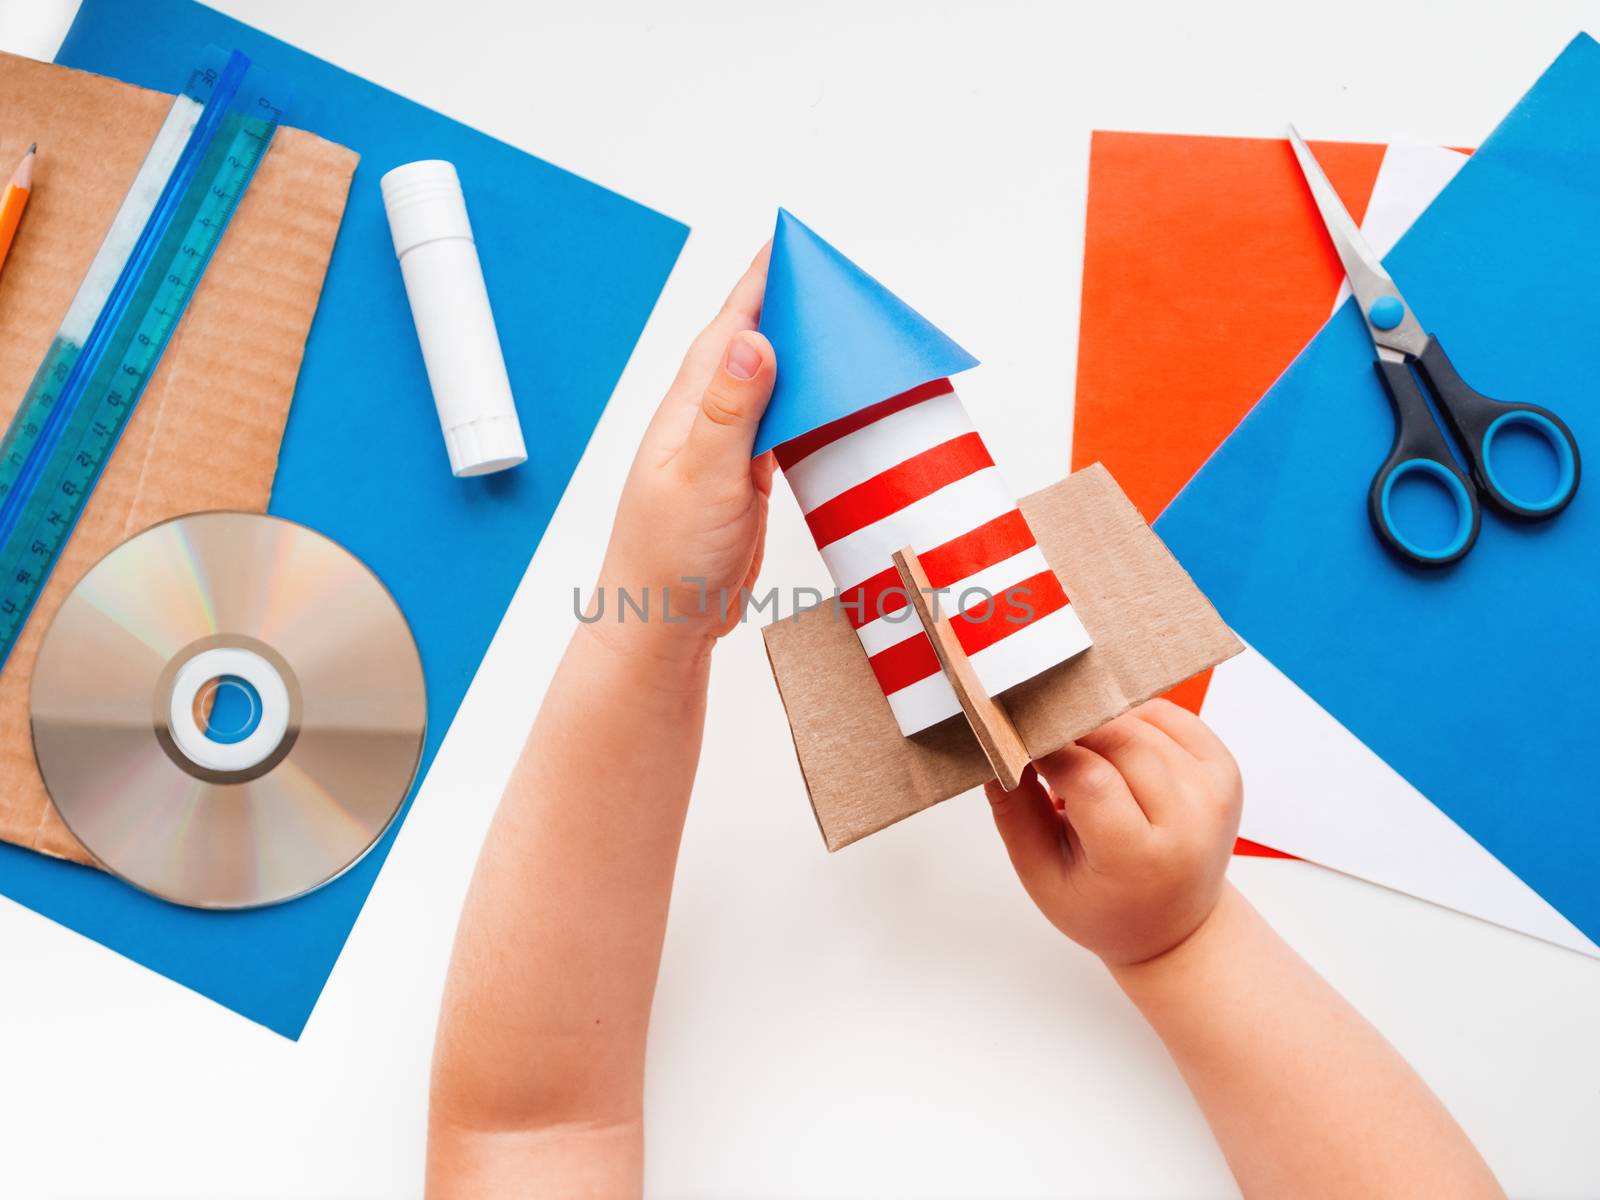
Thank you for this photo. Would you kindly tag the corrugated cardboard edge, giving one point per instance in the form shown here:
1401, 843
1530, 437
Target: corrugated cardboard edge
207, 430
1152, 629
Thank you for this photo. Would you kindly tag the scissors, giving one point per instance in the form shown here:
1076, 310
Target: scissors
1475, 421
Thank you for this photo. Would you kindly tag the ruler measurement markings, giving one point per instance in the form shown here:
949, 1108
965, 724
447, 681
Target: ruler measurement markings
124, 375
89, 432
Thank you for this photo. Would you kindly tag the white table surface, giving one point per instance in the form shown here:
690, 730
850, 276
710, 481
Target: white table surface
894, 1019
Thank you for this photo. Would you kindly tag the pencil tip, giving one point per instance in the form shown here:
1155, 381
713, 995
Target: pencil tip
22, 177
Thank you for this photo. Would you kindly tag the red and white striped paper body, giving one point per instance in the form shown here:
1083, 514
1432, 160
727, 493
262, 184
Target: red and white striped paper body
912, 471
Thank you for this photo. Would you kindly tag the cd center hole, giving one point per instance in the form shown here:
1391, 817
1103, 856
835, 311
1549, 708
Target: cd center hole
227, 708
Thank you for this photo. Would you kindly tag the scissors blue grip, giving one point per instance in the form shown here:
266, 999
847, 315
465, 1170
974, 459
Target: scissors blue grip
1475, 421
1407, 357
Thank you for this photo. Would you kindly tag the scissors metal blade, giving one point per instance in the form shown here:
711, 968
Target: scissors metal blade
1368, 280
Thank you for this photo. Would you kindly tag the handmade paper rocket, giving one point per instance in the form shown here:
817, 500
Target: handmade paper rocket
881, 454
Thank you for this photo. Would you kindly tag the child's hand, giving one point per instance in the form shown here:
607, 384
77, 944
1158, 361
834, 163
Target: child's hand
1128, 861
693, 514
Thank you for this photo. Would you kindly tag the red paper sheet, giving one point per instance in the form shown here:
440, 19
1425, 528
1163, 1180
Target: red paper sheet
1206, 269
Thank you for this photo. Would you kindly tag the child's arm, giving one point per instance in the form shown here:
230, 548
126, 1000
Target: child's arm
539, 1063
1305, 1098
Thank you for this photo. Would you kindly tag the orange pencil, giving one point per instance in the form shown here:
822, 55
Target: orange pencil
15, 200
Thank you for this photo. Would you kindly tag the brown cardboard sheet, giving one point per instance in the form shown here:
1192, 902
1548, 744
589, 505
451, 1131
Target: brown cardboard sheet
207, 430
1152, 628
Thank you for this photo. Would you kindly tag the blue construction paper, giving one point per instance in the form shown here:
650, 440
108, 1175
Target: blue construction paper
1476, 682
573, 271
843, 340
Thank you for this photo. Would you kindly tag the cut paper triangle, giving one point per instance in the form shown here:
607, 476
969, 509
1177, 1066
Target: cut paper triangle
843, 340
1332, 800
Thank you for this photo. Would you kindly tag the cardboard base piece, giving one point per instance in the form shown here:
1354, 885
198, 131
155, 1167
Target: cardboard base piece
1152, 629
205, 433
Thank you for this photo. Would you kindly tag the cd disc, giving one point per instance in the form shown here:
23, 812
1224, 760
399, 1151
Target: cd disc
228, 710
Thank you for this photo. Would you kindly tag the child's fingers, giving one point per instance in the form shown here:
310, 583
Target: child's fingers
740, 311
1151, 763
1183, 727
724, 429
1029, 827
1096, 801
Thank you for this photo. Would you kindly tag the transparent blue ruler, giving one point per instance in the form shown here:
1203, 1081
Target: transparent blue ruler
113, 335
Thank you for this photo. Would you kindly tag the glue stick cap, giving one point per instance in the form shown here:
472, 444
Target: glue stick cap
455, 325
424, 202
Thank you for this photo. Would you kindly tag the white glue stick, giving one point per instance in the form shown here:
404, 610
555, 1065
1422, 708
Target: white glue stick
450, 305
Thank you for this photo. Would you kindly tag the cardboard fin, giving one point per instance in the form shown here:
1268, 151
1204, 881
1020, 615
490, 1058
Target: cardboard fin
991, 725
1151, 626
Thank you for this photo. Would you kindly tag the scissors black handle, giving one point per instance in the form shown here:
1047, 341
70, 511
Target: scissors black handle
1475, 421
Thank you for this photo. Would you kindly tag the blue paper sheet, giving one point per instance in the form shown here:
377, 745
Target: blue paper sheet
843, 340
573, 271
1476, 683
